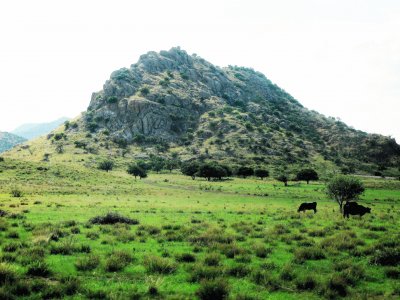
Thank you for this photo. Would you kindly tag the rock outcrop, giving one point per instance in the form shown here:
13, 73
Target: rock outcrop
232, 112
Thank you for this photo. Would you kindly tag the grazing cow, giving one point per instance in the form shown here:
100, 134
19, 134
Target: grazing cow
352, 208
308, 206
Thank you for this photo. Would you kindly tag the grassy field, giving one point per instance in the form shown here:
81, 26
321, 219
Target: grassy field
188, 239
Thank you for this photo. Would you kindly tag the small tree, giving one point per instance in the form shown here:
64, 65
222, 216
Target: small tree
135, 170
282, 178
245, 171
144, 165
190, 169
227, 169
60, 148
262, 173
106, 165
344, 188
211, 170
307, 175
144, 91
157, 163
171, 164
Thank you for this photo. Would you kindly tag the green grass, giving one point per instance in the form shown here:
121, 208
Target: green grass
194, 238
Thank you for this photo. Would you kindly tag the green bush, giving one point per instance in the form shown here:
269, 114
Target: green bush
87, 263
265, 279
239, 270
112, 100
156, 264
310, 253
144, 91
336, 286
186, 257
201, 272
70, 285
392, 272
117, 261
113, 218
213, 290
16, 192
7, 274
261, 251
38, 268
212, 259
106, 165
386, 257
307, 282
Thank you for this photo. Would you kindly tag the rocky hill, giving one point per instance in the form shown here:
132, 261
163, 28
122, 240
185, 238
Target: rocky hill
175, 104
9, 140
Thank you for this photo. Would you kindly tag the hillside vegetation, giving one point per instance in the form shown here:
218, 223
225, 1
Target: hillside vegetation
172, 103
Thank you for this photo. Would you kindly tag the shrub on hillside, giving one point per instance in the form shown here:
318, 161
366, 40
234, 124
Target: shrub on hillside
16, 192
112, 100
106, 165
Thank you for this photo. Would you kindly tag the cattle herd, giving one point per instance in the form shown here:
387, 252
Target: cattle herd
350, 208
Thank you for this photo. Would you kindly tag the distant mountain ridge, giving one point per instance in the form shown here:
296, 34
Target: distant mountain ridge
9, 140
33, 130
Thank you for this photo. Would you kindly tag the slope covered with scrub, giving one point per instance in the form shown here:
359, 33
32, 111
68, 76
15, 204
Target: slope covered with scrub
173, 102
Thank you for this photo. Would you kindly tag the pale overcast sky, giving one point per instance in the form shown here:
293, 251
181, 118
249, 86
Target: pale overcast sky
338, 57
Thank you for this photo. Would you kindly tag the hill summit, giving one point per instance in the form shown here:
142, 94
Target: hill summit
173, 103
235, 112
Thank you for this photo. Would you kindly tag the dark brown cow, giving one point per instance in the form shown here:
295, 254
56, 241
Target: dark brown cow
352, 208
308, 206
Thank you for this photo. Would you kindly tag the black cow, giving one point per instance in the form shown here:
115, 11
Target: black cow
352, 208
308, 206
